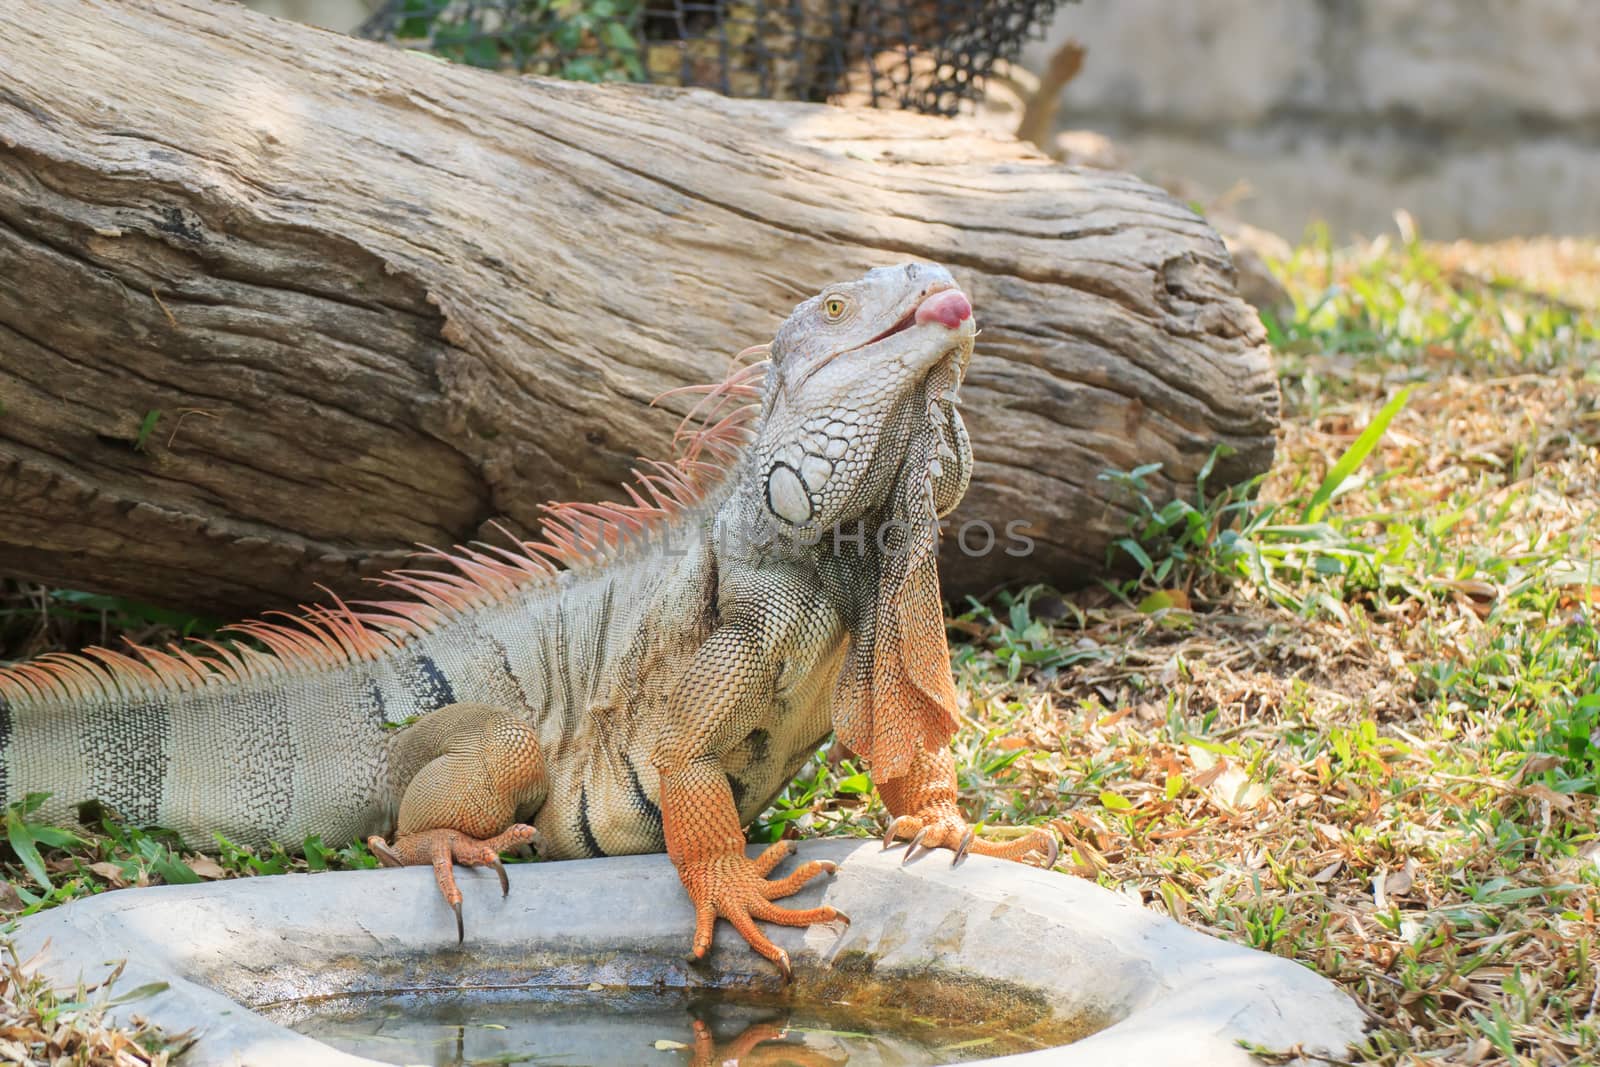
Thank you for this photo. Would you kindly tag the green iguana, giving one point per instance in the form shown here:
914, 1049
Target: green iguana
647, 676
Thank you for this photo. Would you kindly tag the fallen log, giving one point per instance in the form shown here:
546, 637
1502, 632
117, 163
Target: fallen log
277, 304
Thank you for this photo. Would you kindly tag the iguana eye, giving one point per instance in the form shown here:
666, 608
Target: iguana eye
834, 308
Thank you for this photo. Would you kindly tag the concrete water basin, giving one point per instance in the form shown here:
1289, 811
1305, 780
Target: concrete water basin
584, 964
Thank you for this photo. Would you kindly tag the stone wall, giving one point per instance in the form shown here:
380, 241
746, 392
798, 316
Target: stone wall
1480, 117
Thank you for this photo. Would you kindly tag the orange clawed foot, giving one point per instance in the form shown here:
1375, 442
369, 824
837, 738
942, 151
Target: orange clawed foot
736, 888
445, 848
940, 825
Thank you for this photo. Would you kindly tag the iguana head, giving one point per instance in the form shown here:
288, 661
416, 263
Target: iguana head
860, 399
859, 423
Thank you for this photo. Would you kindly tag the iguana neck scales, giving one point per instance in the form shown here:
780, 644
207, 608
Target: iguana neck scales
647, 676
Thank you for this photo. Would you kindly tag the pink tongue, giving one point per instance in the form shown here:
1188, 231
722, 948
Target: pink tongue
950, 308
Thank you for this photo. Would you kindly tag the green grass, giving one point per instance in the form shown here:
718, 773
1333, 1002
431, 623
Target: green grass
1349, 714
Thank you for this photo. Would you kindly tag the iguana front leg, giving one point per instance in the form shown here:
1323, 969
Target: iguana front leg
468, 770
922, 806
728, 690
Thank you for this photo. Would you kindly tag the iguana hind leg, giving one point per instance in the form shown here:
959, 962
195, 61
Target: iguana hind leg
922, 806
469, 769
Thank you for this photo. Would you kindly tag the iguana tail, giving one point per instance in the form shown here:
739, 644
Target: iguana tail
250, 745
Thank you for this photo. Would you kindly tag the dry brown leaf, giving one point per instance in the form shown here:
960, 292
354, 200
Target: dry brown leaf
1562, 802
1536, 764
1396, 884
1473, 587
110, 872
1581, 594
1116, 716
1177, 833
1205, 778
205, 867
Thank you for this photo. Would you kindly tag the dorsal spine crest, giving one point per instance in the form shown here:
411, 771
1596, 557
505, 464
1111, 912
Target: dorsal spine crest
573, 536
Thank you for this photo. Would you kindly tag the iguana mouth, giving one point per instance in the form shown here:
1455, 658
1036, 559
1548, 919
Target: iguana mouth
944, 304
908, 320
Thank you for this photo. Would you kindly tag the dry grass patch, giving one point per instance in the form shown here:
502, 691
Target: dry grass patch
1355, 722
41, 1028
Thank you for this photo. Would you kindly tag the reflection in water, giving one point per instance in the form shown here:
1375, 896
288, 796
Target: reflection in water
759, 1045
629, 1027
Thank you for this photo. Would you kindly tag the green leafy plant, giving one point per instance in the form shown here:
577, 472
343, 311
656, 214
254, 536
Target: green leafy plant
123, 613
819, 794
25, 835
1018, 631
147, 426
580, 40
1175, 541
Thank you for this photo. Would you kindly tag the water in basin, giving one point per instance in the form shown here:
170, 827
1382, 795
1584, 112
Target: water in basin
629, 1027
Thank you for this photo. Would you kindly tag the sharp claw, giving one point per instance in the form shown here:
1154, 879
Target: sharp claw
894, 824
500, 869
461, 930
840, 916
828, 866
1053, 853
386, 855
912, 847
961, 849
783, 966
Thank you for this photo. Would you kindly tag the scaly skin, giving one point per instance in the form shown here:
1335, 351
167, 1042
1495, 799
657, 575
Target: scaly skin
657, 697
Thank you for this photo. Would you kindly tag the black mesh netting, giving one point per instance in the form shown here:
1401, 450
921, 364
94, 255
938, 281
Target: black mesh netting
923, 55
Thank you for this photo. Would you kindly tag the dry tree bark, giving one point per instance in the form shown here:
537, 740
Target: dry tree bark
380, 300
